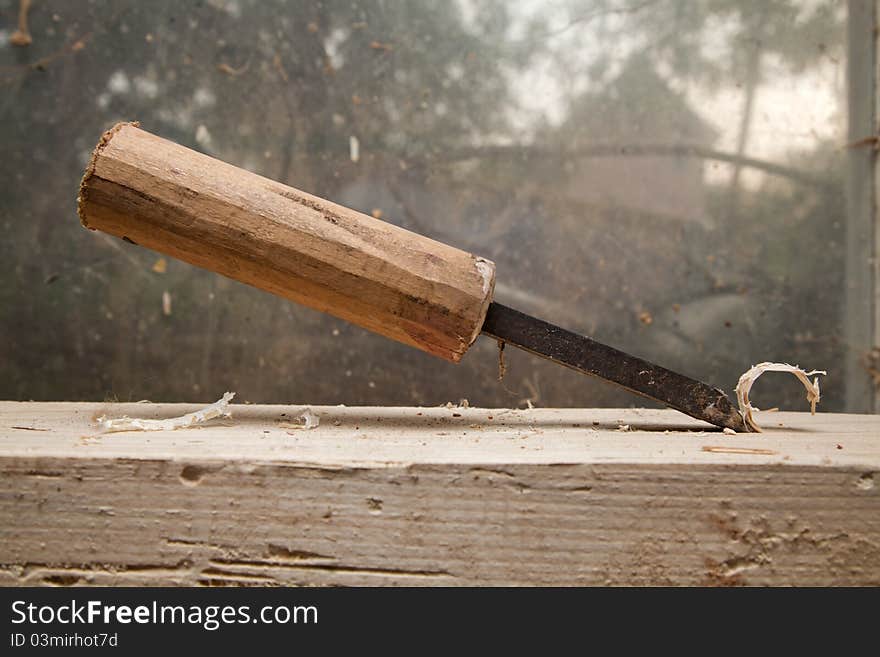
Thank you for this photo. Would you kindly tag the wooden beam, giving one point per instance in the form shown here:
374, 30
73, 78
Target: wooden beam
447, 496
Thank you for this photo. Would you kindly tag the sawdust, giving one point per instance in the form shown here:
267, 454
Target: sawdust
219, 408
747, 380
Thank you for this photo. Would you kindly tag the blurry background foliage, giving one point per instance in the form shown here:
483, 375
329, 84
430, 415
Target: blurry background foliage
666, 176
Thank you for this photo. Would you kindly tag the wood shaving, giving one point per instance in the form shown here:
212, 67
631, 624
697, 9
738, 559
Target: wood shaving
354, 149
219, 408
747, 380
22, 36
307, 419
223, 67
739, 450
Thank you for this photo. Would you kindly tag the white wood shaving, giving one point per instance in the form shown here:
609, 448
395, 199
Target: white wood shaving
748, 379
219, 408
308, 419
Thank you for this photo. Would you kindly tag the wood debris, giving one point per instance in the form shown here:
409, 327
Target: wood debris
232, 72
219, 408
354, 149
307, 419
22, 35
747, 380
739, 450
279, 66
502, 368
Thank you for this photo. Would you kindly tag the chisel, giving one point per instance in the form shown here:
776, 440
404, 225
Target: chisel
407, 287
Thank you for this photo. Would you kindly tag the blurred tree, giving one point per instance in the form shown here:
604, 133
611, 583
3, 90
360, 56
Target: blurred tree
433, 94
273, 86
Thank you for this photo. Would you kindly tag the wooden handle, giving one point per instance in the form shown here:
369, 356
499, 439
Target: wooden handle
404, 286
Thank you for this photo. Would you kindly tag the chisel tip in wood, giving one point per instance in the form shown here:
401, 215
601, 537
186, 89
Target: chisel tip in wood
697, 399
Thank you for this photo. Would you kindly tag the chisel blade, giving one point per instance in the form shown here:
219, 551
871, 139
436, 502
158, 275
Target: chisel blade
699, 400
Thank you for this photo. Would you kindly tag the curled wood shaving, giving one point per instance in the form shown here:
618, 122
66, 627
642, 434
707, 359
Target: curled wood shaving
219, 408
748, 379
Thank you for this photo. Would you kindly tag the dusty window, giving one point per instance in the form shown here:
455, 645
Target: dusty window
668, 177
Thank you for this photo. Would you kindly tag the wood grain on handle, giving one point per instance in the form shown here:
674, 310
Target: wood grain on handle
171, 199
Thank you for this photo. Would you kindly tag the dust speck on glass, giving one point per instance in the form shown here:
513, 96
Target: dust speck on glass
667, 177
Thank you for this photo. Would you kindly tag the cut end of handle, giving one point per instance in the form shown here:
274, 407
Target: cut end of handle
90, 169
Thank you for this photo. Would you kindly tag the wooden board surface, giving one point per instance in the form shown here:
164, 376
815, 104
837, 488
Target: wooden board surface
449, 496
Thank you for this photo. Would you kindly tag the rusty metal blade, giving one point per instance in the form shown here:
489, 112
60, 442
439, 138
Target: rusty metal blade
585, 355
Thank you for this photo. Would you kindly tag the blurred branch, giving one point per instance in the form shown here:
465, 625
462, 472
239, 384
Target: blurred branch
72, 46
638, 150
754, 54
586, 18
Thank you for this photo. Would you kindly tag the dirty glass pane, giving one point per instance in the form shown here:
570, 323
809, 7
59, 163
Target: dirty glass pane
665, 176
